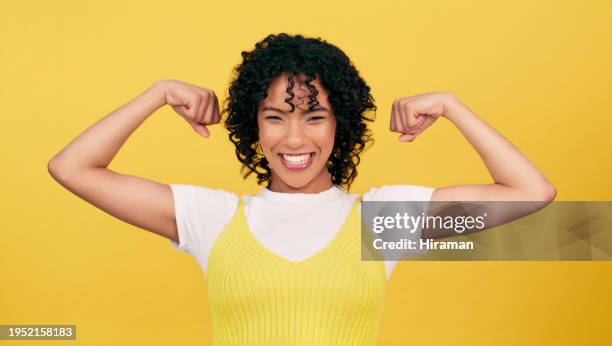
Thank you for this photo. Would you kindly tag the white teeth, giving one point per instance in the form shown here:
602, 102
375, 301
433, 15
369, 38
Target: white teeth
296, 159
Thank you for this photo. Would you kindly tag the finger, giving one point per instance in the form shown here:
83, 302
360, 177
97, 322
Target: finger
202, 130
426, 123
407, 137
414, 120
397, 118
208, 112
393, 126
190, 108
397, 121
181, 110
404, 113
216, 114
201, 110
198, 127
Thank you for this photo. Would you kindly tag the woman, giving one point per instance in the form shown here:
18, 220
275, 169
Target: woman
284, 265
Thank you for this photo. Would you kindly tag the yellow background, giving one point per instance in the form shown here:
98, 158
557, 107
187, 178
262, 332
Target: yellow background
538, 71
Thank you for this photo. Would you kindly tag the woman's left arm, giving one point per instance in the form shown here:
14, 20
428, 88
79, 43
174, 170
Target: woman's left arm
515, 177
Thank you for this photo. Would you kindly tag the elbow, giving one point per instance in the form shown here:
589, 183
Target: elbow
545, 192
542, 192
52, 168
57, 171
550, 192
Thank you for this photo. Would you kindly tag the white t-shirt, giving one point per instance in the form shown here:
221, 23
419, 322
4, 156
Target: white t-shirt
293, 225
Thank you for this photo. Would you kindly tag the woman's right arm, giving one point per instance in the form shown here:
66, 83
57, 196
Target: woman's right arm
81, 167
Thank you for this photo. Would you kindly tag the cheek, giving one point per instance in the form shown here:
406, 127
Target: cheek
331, 134
326, 137
267, 138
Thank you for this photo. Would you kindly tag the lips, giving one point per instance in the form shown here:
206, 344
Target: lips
297, 161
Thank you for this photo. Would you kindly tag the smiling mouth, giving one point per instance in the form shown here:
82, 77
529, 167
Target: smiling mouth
296, 161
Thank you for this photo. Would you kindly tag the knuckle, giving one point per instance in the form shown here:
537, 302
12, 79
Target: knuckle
195, 109
207, 93
206, 98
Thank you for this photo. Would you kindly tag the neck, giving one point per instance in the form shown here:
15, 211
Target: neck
321, 183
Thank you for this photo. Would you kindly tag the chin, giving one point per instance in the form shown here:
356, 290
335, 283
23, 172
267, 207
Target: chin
297, 183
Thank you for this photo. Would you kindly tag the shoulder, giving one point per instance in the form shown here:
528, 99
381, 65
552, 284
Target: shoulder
399, 193
203, 201
201, 193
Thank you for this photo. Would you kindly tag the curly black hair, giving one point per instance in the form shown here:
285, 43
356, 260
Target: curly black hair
314, 58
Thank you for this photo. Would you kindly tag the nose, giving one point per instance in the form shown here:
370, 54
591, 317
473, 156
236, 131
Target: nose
295, 135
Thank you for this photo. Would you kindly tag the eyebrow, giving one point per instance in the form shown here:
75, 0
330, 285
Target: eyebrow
315, 109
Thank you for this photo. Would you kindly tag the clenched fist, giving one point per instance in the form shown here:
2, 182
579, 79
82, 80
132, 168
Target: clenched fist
412, 115
197, 105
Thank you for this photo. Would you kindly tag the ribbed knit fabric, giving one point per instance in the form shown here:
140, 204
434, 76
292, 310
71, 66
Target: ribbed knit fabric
260, 298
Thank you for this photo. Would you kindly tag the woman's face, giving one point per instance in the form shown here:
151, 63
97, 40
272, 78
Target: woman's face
296, 144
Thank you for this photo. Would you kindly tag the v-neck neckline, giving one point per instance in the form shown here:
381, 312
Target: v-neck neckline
340, 234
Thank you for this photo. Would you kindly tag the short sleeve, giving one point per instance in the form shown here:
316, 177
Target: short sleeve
201, 213
405, 193
399, 193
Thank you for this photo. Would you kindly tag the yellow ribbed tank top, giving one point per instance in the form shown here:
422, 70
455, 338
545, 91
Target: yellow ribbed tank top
260, 298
